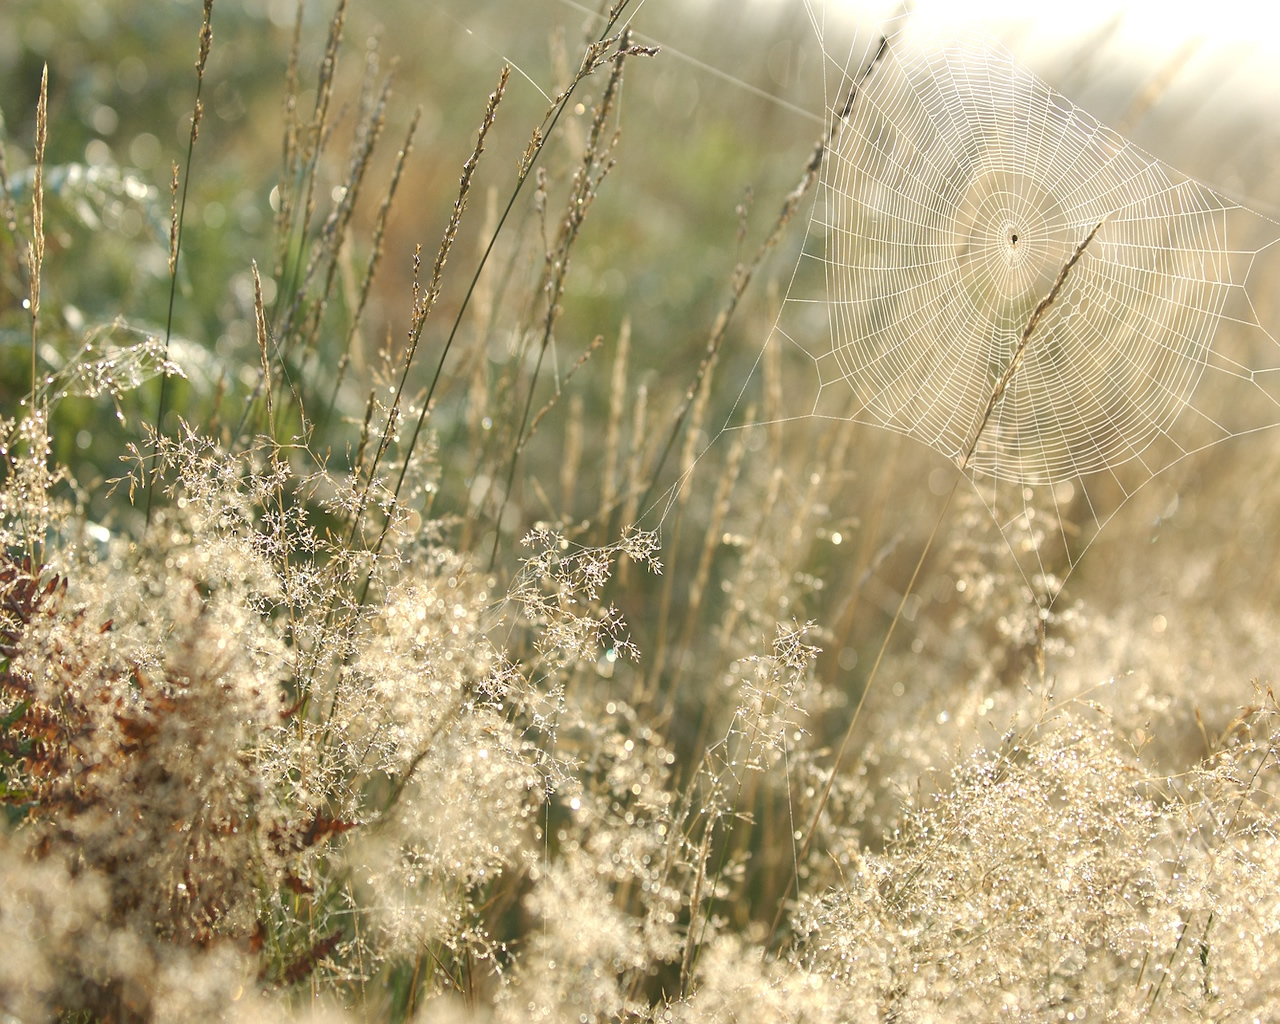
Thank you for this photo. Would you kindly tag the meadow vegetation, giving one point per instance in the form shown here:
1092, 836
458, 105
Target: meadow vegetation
360, 660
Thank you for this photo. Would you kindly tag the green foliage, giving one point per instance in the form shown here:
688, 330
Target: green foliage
307, 713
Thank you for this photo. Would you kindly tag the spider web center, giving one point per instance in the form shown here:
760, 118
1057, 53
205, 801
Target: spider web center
957, 189
1010, 243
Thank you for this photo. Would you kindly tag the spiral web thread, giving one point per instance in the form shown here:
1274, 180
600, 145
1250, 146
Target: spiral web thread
956, 187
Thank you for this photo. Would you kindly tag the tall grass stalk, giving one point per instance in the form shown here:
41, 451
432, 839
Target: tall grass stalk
315, 742
177, 219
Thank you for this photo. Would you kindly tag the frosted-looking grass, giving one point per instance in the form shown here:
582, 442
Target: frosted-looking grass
955, 186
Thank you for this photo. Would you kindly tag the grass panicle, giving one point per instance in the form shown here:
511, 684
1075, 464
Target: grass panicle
389, 710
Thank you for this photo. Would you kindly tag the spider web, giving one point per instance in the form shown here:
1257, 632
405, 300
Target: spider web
956, 188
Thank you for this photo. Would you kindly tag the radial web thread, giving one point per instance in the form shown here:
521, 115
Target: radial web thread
955, 188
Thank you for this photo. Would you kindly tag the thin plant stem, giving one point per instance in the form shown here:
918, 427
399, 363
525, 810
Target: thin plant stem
744, 272
526, 166
35, 248
997, 393
422, 307
177, 218
587, 180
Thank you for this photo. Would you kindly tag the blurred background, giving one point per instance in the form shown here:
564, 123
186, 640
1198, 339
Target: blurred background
714, 132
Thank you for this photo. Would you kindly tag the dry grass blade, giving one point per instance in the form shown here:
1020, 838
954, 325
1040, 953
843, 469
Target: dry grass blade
176, 221
289, 146
255, 762
595, 165
551, 403
423, 304
997, 393
1020, 350
302, 165
613, 430
35, 247
742, 277
260, 322
334, 232
375, 257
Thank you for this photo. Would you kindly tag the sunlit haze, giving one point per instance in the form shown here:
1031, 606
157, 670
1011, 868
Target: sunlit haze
1195, 84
